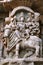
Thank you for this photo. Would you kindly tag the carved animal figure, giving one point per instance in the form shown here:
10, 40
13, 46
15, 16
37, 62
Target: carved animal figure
32, 42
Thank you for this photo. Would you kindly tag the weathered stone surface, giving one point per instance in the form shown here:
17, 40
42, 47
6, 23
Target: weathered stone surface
23, 37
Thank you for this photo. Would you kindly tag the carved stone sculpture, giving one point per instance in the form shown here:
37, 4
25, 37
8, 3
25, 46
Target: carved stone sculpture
23, 33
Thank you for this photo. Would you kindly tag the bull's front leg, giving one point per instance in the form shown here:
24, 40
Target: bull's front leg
17, 50
37, 50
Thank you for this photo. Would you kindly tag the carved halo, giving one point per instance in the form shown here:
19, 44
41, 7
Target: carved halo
23, 8
20, 8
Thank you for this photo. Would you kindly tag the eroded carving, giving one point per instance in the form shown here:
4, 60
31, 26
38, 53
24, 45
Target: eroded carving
23, 32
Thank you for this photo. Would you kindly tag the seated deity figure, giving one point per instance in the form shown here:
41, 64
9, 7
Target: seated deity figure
20, 24
28, 23
32, 41
24, 32
28, 20
21, 37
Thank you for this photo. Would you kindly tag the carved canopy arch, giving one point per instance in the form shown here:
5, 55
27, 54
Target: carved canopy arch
21, 8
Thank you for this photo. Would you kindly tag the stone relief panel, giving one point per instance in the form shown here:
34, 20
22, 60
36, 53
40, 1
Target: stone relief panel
21, 36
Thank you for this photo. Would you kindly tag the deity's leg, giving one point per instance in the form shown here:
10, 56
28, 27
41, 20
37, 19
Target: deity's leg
17, 50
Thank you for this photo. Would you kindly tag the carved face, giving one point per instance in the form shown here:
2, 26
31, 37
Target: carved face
29, 17
21, 17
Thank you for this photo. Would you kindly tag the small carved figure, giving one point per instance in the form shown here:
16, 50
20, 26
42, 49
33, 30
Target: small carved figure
13, 22
29, 17
7, 30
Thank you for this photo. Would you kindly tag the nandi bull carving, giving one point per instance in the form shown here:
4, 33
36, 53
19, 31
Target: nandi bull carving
23, 30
